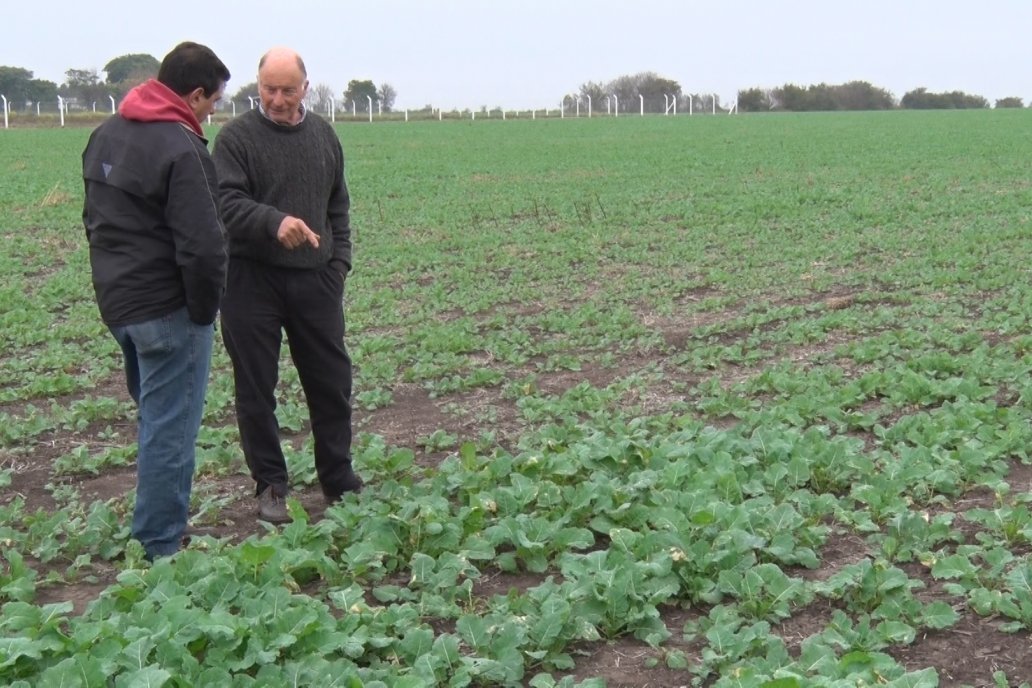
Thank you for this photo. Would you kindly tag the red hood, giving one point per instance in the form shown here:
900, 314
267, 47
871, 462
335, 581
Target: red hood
153, 101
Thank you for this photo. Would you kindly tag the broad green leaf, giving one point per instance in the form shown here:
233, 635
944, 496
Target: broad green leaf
676, 659
939, 615
782, 683
926, 678
416, 643
953, 566
473, 630
147, 677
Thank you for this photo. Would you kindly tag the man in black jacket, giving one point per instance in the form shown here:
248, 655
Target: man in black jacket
158, 258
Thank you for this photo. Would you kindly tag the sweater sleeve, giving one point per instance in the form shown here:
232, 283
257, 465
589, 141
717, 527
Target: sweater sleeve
339, 213
192, 214
246, 219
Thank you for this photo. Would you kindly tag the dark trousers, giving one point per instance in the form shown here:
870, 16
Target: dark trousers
261, 302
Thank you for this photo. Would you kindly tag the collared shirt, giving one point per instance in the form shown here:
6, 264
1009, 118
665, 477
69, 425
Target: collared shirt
301, 108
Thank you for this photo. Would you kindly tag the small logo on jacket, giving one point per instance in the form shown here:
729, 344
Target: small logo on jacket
107, 169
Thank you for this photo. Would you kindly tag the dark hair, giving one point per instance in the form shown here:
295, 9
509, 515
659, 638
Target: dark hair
191, 65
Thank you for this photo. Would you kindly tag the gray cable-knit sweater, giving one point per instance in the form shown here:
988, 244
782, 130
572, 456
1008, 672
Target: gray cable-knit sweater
268, 171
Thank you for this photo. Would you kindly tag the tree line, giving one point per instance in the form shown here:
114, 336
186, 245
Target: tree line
651, 92
22, 89
645, 91
122, 73
858, 95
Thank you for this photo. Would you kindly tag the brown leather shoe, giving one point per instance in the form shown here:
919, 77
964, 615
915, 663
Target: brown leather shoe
272, 507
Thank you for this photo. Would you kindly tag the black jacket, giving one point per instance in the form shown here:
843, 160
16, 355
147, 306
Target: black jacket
152, 220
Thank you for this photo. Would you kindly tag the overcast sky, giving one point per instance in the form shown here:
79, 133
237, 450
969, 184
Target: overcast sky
521, 54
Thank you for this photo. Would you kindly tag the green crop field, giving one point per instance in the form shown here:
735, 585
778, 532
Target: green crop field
731, 401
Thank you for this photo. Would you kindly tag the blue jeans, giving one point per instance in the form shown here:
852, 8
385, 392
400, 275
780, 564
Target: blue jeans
166, 369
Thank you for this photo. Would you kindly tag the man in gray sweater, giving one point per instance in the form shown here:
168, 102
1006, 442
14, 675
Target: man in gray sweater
285, 206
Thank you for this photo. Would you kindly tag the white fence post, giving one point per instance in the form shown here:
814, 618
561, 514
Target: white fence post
642, 98
61, 108
589, 104
112, 98
5, 109
616, 106
370, 99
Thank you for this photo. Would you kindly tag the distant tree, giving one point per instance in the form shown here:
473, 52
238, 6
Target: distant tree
625, 88
596, 91
15, 84
918, 99
706, 102
854, 95
86, 86
21, 90
754, 100
42, 91
629, 90
921, 99
968, 101
1012, 102
134, 68
319, 97
821, 98
791, 98
860, 95
656, 91
359, 92
387, 95
244, 91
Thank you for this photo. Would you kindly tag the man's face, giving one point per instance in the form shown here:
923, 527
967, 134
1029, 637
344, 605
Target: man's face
203, 105
282, 87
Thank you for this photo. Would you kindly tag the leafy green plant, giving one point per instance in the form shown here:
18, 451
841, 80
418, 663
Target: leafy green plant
438, 440
884, 592
763, 592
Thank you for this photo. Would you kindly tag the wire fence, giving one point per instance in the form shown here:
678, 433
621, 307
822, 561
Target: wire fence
71, 112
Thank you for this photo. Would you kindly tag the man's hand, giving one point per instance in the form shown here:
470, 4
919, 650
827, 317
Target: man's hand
293, 232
